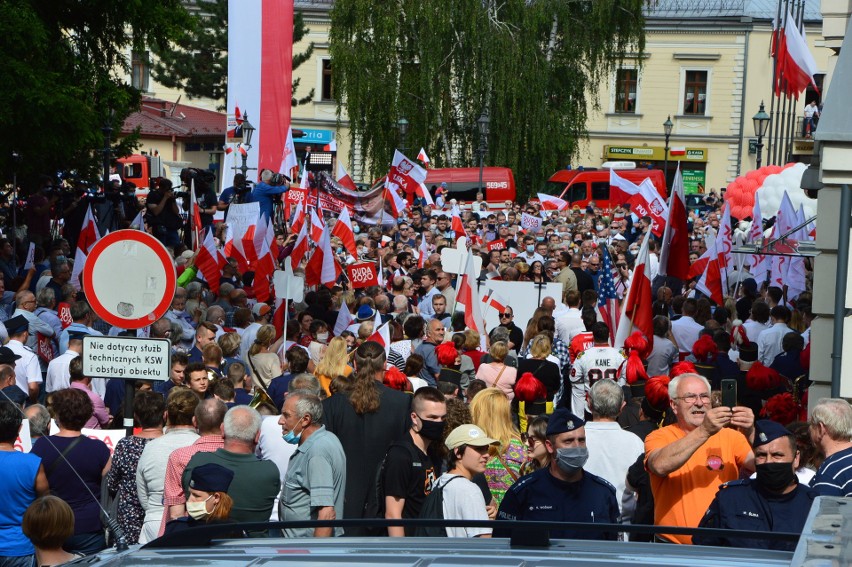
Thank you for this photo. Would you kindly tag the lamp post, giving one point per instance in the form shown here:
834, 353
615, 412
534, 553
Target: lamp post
248, 131
402, 124
482, 123
107, 132
761, 125
667, 129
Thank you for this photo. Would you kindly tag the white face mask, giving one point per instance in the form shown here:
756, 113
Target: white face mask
198, 510
322, 337
433, 227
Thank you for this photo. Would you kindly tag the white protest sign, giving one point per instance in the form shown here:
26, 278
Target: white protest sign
30, 257
287, 284
126, 358
240, 217
110, 437
24, 443
531, 223
453, 259
523, 297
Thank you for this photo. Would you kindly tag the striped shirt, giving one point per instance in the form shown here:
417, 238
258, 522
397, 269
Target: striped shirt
834, 477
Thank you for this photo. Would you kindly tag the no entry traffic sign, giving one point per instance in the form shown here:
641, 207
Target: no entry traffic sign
129, 279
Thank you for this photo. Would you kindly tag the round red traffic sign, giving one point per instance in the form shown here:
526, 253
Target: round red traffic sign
129, 279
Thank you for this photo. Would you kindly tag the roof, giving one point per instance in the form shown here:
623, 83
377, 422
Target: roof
725, 9
163, 119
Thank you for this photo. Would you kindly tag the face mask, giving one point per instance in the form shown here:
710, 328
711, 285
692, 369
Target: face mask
775, 477
433, 227
340, 249
530, 249
362, 251
431, 430
571, 459
356, 229
322, 337
198, 510
599, 227
291, 437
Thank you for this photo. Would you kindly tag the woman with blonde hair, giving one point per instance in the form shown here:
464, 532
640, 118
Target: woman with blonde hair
335, 362
263, 358
490, 410
497, 374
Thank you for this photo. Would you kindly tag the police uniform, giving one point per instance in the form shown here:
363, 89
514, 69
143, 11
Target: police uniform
27, 368
542, 497
744, 505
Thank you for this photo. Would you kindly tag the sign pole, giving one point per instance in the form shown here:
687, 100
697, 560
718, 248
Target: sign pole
129, 393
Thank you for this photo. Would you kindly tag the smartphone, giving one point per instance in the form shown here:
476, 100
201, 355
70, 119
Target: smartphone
729, 392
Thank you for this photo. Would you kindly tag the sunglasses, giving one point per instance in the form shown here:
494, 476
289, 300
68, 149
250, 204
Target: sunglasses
505, 315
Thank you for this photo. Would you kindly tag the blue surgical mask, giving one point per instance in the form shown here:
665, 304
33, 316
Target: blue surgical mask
530, 249
291, 437
356, 229
340, 249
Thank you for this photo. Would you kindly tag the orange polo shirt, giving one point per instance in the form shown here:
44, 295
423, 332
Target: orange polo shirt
682, 497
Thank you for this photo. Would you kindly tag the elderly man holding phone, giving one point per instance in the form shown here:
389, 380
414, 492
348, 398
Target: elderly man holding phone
688, 460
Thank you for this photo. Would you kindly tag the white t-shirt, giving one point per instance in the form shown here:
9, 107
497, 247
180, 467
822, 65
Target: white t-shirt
463, 501
591, 365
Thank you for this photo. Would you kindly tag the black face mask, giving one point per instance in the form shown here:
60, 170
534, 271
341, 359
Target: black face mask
431, 430
775, 477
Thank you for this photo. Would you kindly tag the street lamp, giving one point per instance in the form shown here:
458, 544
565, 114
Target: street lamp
248, 131
482, 123
106, 130
402, 124
667, 128
761, 125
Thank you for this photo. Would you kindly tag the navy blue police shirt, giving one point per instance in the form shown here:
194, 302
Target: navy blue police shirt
742, 505
541, 497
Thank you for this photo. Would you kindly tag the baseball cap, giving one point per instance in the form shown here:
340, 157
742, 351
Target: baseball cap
468, 434
260, 309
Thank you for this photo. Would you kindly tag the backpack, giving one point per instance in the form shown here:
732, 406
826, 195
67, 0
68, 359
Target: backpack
433, 509
374, 507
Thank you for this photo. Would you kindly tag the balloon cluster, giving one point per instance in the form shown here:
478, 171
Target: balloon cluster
772, 181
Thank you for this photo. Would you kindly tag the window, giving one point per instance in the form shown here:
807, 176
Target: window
577, 192
327, 90
600, 191
695, 92
625, 91
140, 70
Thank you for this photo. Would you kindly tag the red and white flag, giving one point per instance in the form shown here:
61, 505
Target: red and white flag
288, 155
317, 226
208, 263
343, 230
620, 189
674, 255
301, 246
714, 280
343, 178
648, 203
551, 203
88, 236
196, 217
457, 226
298, 218
382, 336
423, 157
636, 312
677, 151
424, 253
330, 147
405, 174
263, 272
758, 264
242, 149
796, 64
495, 300
322, 268
425, 194
344, 319
469, 296
396, 202
279, 316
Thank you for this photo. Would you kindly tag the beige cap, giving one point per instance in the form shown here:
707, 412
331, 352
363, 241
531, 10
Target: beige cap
468, 434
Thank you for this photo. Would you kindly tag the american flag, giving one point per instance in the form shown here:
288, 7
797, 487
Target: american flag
607, 298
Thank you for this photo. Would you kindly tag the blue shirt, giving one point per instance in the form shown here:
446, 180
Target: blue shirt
263, 193
834, 477
17, 492
540, 496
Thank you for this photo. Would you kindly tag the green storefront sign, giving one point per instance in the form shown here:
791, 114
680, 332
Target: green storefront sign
691, 179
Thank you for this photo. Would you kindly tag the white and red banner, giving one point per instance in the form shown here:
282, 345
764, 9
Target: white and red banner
796, 66
260, 58
88, 236
551, 203
405, 174
344, 178
498, 244
362, 274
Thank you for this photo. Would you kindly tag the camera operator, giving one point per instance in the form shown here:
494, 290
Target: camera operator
38, 211
271, 184
164, 214
74, 208
117, 207
237, 193
203, 195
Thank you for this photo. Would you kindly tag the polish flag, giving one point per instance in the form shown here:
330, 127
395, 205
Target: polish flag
795, 61
382, 336
231, 250
344, 319
495, 300
301, 246
344, 179
209, 263
710, 283
427, 196
423, 157
317, 226
424, 253
343, 230
229, 149
263, 272
758, 264
620, 189
288, 156
247, 245
88, 236
457, 226
278, 317
551, 203
405, 174
242, 149
303, 180
298, 218
674, 255
396, 202
677, 151
785, 220
331, 147
196, 217
468, 295
636, 312
647, 202
322, 268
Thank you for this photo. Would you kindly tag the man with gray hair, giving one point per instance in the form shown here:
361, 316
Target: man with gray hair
256, 482
39, 419
830, 427
612, 450
305, 382
316, 476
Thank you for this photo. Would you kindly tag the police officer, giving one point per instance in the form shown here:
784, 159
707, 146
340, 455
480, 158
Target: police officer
562, 492
774, 501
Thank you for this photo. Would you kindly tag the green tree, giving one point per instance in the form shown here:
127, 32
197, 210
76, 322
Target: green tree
61, 63
197, 63
533, 65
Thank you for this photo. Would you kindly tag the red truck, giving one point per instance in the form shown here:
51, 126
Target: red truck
581, 185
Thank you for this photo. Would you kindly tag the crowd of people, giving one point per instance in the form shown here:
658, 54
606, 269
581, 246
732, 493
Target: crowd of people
541, 419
